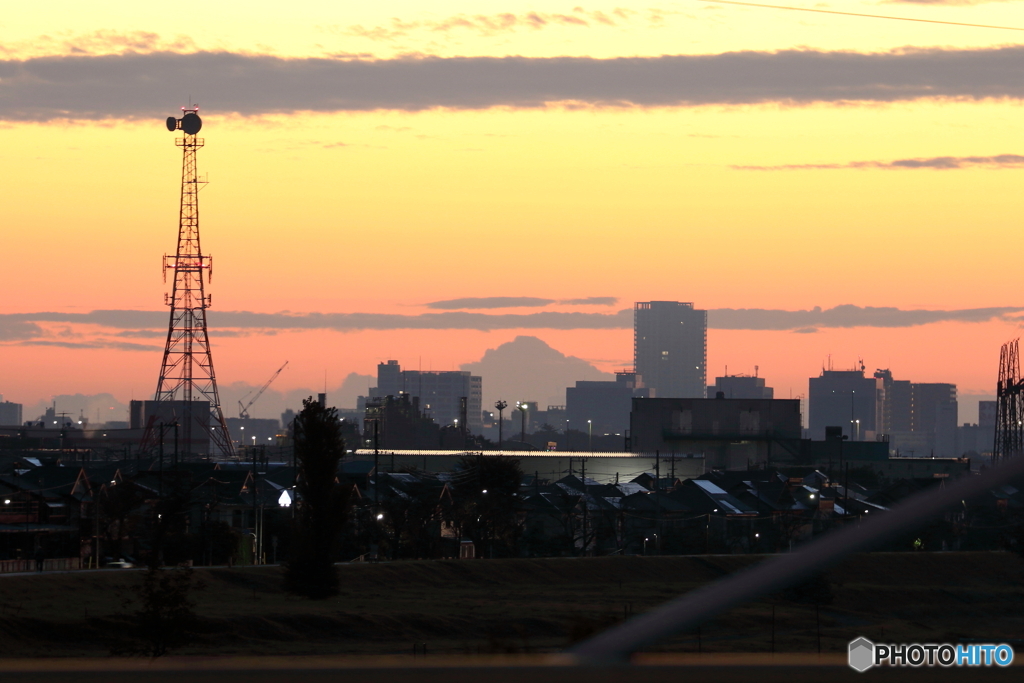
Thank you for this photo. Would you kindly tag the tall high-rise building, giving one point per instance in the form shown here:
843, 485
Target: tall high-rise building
935, 414
670, 348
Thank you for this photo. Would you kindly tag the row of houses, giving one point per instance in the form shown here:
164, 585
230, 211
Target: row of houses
222, 513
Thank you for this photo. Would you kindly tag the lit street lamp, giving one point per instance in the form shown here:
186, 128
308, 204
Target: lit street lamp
523, 408
590, 435
500, 405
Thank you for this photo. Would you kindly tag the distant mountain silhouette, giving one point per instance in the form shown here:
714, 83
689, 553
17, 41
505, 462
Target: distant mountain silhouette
527, 369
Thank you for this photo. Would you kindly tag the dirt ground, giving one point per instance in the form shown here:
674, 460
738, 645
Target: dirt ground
525, 606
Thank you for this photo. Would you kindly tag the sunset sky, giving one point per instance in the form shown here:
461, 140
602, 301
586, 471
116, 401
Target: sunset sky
537, 166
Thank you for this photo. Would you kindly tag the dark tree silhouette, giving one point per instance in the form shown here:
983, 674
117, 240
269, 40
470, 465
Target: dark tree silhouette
320, 504
117, 505
166, 618
486, 495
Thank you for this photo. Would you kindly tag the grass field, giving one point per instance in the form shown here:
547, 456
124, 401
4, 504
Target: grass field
513, 606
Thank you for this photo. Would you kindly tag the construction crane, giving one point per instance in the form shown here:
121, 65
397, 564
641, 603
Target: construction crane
243, 411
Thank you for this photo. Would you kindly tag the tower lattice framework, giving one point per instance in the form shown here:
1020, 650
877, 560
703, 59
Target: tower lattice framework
1009, 440
187, 373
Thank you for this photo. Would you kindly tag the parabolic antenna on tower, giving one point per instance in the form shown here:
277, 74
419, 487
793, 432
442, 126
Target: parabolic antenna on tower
189, 122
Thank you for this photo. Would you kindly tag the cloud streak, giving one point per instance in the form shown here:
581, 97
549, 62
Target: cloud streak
489, 25
136, 85
490, 302
236, 323
591, 301
999, 161
485, 302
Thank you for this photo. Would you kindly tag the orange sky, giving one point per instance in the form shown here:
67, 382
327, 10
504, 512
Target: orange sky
385, 211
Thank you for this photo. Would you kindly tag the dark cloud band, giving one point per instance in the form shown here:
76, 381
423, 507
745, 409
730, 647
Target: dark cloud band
145, 85
26, 325
846, 316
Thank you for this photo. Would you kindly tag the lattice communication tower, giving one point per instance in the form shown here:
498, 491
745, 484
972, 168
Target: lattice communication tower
186, 373
1009, 405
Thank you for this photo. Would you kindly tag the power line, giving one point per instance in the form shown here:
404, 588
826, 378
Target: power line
856, 14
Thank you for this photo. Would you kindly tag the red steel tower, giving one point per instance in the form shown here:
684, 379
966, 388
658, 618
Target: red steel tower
186, 374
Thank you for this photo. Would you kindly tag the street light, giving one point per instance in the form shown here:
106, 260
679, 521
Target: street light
500, 405
590, 436
522, 409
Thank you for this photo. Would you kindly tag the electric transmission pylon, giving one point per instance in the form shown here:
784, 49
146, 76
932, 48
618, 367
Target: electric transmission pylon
186, 374
1009, 440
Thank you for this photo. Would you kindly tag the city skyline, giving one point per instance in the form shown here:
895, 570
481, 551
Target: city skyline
456, 209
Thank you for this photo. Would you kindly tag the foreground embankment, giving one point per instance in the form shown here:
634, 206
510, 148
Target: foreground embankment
525, 606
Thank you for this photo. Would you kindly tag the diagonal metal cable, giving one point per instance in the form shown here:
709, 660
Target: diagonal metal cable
857, 14
690, 610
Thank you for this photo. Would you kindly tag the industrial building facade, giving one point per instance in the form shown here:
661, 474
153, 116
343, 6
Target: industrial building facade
670, 348
728, 433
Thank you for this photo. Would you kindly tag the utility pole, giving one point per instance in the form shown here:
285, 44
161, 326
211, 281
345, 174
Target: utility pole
161, 491
657, 502
583, 476
295, 471
255, 517
376, 464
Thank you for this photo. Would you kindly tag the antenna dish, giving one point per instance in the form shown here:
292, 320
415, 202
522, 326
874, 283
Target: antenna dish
191, 123
172, 123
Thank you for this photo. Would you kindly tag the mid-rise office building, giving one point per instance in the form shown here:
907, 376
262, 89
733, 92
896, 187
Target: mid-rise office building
447, 397
10, 413
603, 407
740, 386
920, 418
252, 431
670, 348
192, 418
845, 399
